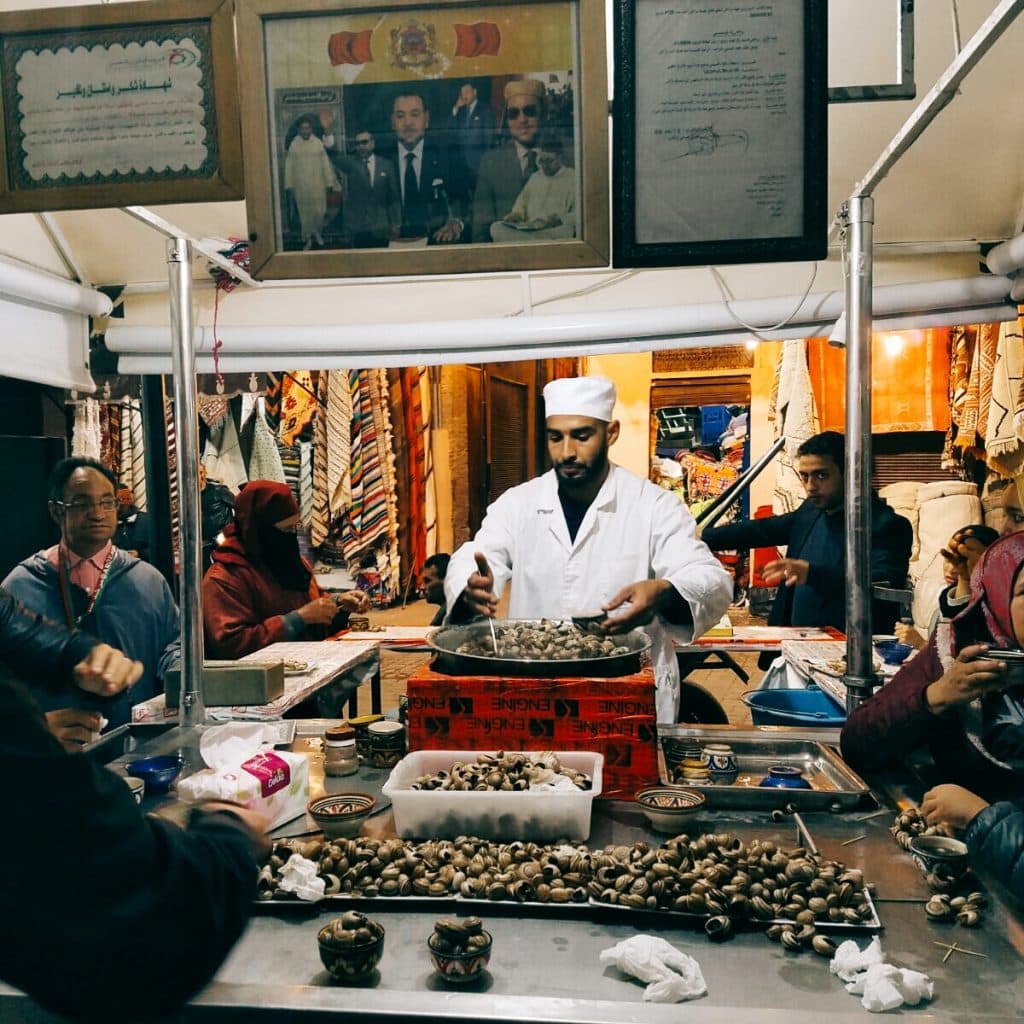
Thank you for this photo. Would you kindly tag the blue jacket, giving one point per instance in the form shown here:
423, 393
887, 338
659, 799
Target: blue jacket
996, 840
135, 613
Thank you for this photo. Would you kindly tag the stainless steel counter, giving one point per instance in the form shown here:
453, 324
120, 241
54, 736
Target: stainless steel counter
545, 966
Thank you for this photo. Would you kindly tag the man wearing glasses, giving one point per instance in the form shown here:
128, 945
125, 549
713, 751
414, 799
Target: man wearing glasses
87, 583
505, 170
372, 211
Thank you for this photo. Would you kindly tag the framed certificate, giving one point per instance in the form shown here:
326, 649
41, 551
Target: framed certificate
117, 105
719, 151
384, 138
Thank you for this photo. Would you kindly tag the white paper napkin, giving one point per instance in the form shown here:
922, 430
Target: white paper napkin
673, 975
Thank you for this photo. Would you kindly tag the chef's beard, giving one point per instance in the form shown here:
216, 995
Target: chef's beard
279, 552
587, 473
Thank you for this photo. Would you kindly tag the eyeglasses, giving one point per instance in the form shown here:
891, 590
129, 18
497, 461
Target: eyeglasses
107, 504
530, 110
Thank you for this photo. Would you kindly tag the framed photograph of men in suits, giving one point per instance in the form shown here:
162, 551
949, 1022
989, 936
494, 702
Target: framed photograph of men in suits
720, 146
384, 139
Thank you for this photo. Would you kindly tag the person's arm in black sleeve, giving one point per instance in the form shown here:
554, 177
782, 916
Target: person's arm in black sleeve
891, 540
752, 533
39, 649
108, 914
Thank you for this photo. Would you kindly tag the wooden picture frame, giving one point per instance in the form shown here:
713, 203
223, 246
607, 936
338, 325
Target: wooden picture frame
329, 74
721, 127
118, 105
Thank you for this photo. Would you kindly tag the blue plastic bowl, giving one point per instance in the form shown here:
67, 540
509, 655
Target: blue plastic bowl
157, 772
810, 707
893, 652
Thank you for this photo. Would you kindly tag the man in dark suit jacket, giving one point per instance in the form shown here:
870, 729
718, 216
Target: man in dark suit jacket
372, 211
428, 185
812, 578
505, 170
472, 130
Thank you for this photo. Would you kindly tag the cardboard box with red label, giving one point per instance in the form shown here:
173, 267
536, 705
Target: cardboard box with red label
614, 717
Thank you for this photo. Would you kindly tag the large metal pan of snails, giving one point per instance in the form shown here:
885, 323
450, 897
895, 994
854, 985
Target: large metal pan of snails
536, 647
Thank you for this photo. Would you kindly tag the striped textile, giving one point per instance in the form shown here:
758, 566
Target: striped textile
110, 417
127, 473
402, 482
320, 514
429, 480
391, 571
414, 513
273, 397
137, 442
339, 444
366, 519
172, 476
306, 483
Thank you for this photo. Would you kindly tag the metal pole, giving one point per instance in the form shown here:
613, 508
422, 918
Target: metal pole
860, 677
718, 507
186, 429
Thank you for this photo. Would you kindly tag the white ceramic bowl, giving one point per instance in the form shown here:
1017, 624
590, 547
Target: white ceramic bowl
667, 809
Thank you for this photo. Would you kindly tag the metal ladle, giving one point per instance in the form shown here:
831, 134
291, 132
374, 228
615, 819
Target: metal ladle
494, 638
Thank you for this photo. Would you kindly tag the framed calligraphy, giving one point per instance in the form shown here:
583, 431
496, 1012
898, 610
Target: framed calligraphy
720, 146
117, 105
382, 138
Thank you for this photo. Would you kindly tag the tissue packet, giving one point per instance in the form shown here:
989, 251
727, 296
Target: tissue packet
274, 782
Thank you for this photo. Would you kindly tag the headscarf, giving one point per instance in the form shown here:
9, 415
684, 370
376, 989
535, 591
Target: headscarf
261, 504
994, 723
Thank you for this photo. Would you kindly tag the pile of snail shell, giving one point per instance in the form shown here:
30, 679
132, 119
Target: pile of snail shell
967, 911
714, 875
551, 640
943, 906
456, 938
503, 772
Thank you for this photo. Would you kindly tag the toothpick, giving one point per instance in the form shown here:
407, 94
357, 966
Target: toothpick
855, 839
955, 948
873, 814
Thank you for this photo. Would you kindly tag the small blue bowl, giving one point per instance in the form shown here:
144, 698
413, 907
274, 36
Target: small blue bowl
157, 772
893, 652
785, 776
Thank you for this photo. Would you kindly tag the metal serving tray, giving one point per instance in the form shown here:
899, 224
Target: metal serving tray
834, 786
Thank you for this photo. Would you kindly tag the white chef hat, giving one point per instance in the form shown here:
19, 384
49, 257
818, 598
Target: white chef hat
580, 396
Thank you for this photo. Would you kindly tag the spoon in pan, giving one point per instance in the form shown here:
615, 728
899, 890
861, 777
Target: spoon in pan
494, 639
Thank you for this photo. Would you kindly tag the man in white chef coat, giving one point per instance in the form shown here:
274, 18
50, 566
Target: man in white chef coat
590, 535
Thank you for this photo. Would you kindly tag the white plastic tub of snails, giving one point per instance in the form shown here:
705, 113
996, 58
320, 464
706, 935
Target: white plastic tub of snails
528, 795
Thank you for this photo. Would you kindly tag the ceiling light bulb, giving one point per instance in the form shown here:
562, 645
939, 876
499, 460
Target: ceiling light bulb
751, 344
893, 344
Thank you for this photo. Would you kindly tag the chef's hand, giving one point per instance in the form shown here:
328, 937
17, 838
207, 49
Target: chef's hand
74, 727
787, 571
106, 671
952, 805
646, 598
352, 601
319, 612
479, 593
965, 680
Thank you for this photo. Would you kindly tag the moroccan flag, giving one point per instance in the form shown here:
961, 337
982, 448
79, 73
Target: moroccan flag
482, 39
350, 48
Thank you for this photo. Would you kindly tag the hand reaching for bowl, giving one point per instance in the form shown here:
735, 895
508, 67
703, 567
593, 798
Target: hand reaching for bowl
479, 593
967, 678
318, 612
952, 805
645, 598
352, 601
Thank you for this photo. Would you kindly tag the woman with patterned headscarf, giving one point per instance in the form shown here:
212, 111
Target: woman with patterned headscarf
963, 708
259, 589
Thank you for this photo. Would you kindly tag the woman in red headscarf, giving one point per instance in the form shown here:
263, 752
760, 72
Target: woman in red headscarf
259, 589
950, 700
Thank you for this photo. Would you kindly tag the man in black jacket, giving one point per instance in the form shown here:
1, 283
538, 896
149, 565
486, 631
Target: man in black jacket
812, 578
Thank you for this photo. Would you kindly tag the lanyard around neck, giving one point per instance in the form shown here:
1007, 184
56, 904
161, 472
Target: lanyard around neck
64, 578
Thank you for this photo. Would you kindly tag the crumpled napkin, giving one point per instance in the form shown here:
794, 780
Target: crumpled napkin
881, 986
299, 876
654, 960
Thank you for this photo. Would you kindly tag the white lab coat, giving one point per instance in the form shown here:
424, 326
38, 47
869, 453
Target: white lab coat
632, 531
